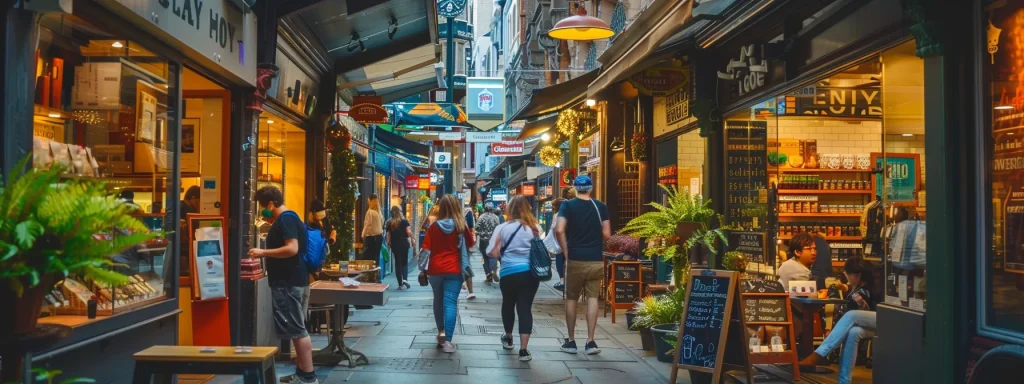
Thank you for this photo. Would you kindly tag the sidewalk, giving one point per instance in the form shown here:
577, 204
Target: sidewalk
399, 339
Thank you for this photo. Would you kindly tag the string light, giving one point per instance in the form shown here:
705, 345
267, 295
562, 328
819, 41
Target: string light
550, 156
568, 122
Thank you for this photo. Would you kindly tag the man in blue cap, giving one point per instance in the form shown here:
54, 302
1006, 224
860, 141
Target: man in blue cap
582, 228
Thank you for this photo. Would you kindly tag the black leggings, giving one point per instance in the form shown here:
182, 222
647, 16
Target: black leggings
371, 248
400, 253
517, 293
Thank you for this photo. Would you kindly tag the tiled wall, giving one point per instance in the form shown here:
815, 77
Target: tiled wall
690, 157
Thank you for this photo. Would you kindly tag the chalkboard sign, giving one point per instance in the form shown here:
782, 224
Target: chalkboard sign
765, 309
750, 244
746, 189
762, 286
705, 322
647, 273
626, 271
626, 293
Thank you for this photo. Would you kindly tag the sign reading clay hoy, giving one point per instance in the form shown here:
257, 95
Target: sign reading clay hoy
508, 148
213, 29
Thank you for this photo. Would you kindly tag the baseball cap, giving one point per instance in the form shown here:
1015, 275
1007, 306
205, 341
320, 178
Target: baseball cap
489, 206
317, 206
583, 183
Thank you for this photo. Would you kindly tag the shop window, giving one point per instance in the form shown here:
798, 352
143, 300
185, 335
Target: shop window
1002, 312
106, 109
842, 158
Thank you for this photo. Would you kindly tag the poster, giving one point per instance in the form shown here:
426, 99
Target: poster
208, 251
900, 179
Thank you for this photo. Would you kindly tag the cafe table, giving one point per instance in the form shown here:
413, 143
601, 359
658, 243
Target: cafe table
336, 294
809, 307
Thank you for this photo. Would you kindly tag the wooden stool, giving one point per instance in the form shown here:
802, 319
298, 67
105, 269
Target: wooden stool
161, 362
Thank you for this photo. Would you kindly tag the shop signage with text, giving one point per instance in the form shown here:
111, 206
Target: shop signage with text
566, 178
508, 148
661, 81
412, 181
424, 181
529, 190
483, 137
499, 194
748, 72
667, 175
838, 102
368, 110
449, 136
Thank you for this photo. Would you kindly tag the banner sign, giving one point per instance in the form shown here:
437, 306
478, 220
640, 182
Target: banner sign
485, 101
368, 110
508, 148
483, 137
412, 181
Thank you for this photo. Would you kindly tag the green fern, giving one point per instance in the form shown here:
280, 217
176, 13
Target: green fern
55, 227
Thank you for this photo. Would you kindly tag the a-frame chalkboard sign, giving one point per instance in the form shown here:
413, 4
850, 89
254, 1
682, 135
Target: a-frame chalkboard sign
764, 305
704, 325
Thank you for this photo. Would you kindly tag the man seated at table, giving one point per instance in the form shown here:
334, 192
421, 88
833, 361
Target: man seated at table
802, 253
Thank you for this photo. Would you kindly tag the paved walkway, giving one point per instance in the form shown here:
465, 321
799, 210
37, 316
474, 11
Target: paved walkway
399, 339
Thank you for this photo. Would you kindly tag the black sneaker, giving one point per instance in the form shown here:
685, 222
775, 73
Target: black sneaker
506, 342
560, 286
569, 346
592, 348
525, 355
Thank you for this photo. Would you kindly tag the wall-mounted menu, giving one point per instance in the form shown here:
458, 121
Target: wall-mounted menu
750, 244
760, 309
706, 318
746, 153
626, 293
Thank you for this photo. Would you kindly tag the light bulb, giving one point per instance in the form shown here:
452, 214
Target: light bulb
117, 44
545, 137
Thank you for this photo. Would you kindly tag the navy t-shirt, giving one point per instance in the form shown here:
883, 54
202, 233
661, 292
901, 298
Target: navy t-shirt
583, 229
291, 271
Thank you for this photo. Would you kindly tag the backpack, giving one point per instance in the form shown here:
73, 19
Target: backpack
315, 253
540, 259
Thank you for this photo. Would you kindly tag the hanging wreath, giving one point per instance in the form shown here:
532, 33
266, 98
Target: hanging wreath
550, 156
568, 122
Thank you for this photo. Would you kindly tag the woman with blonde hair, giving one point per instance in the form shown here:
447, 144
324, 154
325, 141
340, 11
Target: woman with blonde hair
448, 240
512, 243
373, 230
400, 241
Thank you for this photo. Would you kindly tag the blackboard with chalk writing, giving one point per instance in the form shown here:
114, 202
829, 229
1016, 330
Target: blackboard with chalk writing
626, 271
705, 321
763, 309
626, 293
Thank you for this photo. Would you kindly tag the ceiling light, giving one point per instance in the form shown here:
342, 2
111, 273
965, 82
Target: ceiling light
591, 102
908, 135
545, 137
392, 28
581, 27
1010, 133
270, 121
1004, 107
54, 115
117, 44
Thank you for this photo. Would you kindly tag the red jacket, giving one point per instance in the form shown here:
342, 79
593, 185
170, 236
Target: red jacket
445, 257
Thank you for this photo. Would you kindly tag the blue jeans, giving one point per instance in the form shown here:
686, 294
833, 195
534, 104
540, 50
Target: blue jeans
853, 327
560, 264
446, 301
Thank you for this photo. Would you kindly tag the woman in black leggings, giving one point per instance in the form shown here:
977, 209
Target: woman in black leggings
399, 239
511, 242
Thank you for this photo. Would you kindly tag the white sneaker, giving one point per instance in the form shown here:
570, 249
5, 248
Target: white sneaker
470, 296
447, 347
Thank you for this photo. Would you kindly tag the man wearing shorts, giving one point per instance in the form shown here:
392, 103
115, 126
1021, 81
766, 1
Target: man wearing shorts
582, 228
289, 281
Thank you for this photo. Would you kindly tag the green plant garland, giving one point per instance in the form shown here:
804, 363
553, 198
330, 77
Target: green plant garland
341, 201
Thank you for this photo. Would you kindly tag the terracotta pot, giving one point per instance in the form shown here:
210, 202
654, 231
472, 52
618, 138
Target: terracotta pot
686, 229
24, 311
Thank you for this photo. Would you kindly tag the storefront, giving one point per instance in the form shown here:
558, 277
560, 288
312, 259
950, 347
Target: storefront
141, 109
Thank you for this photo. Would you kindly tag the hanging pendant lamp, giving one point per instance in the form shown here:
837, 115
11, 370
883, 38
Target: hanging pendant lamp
581, 27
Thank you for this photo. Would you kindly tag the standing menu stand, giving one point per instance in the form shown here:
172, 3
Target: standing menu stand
761, 306
704, 325
625, 286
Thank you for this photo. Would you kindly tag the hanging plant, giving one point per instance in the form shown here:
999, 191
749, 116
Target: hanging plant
568, 122
550, 156
638, 147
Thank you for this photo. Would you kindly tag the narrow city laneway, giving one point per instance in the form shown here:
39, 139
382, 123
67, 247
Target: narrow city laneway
399, 339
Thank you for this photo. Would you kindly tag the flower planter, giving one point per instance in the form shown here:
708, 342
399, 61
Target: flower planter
24, 311
630, 315
646, 339
662, 347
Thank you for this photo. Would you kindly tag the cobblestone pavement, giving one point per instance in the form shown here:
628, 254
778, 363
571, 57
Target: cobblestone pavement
399, 340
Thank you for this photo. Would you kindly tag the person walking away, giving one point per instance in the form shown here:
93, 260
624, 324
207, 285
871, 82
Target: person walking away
400, 241
373, 231
468, 281
856, 325
583, 227
551, 241
444, 240
485, 226
512, 243
288, 278
428, 221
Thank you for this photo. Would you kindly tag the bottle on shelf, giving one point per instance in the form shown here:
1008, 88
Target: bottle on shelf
754, 344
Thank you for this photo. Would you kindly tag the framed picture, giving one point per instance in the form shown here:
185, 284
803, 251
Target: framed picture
189, 135
145, 113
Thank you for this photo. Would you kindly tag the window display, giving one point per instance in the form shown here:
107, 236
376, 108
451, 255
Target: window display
105, 110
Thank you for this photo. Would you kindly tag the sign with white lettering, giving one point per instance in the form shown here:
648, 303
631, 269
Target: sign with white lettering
749, 71
449, 136
508, 148
213, 29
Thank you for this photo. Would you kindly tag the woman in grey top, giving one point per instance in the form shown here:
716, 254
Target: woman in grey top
511, 243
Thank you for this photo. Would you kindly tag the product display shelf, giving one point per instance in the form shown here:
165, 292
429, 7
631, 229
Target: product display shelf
836, 215
831, 238
824, 192
42, 111
816, 170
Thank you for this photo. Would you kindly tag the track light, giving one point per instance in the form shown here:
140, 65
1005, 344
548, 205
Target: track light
392, 28
354, 43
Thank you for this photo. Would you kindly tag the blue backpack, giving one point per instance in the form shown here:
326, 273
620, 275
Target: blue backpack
315, 253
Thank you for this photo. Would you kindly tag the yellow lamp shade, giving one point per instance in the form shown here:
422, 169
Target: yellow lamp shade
581, 27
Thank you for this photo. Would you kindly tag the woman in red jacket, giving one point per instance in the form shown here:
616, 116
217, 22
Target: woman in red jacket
448, 241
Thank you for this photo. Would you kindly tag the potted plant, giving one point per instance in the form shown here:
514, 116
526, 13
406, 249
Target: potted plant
624, 244
735, 261
645, 309
660, 315
51, 227
673, 230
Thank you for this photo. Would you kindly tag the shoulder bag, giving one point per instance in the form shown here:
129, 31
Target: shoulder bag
551, 242
540, 259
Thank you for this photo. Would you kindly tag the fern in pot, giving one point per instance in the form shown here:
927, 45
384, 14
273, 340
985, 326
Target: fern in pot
51, 227
685, 223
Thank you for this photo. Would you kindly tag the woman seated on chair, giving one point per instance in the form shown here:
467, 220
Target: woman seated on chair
855, 325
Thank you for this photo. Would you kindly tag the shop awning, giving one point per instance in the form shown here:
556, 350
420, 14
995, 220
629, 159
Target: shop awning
637, 43
392, 89
538, 125
428, 114
556, 97
415, 153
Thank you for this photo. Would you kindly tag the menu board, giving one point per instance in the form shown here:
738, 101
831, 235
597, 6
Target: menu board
762, 286
705, 319
750, 244
626, 271
627, 293
760, 309
746, 153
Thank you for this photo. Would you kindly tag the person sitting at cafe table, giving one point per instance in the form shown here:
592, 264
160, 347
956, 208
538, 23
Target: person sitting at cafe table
856, 325
802, 253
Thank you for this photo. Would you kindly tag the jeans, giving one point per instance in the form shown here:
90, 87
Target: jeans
560, 264
490, 264
517, 293
401, 257
853, 327
446, 301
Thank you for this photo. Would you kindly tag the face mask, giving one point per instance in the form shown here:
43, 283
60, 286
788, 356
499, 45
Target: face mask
267, 213
321, 215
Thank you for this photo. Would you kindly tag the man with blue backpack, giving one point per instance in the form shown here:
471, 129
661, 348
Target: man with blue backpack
290, 259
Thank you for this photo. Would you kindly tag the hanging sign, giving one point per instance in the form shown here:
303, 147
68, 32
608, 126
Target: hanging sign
661, 81
499, 194
748, 73
483, 137
450, 8
566, 177
368, 110
424, 181
449, 136
508, 148
485, 101
443, 160
412, 181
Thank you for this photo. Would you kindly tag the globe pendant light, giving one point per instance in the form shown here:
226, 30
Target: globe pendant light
581, 27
